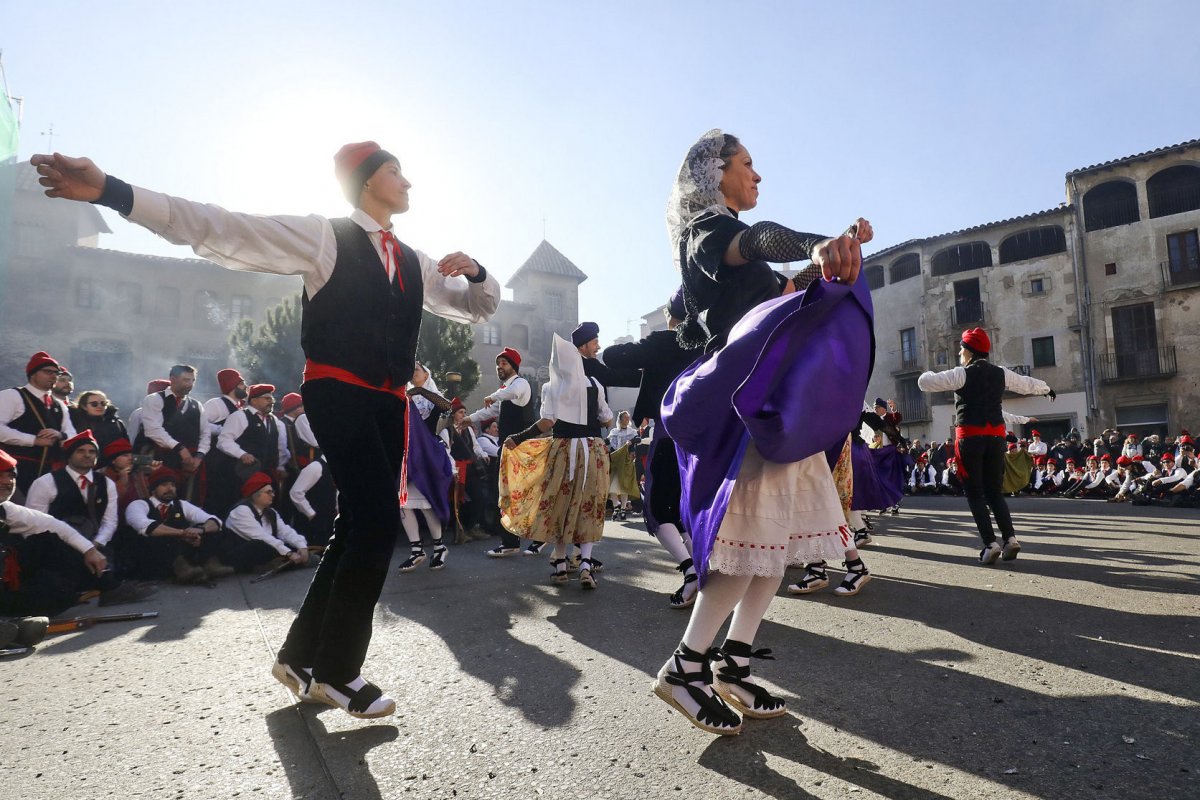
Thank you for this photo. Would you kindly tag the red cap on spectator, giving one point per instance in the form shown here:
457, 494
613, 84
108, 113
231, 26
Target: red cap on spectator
1012, 445
38, 360
456, 404
162, 475
1167, 457
255, 482
117, 447
1124, 461
291, 401
1034, 433
259, 389
228, 379
1185, 439
976, 340
7, 462
512, 356
78, 440
1106, 457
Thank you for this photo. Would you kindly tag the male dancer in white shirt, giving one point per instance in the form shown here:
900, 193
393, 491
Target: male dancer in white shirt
364, 291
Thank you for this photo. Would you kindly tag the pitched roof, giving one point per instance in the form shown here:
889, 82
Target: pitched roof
1158, 151
548, 261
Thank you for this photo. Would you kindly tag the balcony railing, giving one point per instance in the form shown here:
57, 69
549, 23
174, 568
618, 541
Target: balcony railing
966, 312
1178, 273
908, 365
916, 410
1138, 365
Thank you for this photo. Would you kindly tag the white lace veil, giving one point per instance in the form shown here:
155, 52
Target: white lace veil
697, 186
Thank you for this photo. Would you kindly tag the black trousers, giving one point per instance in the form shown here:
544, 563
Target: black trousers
52, 575
983, 460
361, 432
152, 558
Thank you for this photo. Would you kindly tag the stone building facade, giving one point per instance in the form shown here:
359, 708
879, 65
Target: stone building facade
1096, 297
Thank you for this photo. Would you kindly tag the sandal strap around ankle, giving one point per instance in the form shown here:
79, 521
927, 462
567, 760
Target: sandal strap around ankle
555, 563
360, 700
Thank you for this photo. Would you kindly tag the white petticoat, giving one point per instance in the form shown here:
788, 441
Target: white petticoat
780, 515
415, 498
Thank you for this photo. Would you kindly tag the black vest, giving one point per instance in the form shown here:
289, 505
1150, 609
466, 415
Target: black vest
460, 445
358, 321
261, 440
181, 424
31, 421
268, 513
71, 507
569, 430
979, 401
175, 517
302, 452
514, 418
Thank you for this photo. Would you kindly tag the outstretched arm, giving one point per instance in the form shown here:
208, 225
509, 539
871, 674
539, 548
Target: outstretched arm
283, 245
839, 257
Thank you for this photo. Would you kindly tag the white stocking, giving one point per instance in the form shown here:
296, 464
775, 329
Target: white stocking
408, 518
669, 537
435, 524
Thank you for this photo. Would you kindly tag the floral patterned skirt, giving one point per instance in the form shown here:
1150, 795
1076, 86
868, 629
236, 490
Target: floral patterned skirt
553, 490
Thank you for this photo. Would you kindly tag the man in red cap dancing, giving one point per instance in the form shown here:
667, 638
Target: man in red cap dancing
364, 291
979, 387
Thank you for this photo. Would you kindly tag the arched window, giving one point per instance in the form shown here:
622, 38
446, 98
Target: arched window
1174, 190
1032, 243
1109, 205
875, 277
904, 267
961, 257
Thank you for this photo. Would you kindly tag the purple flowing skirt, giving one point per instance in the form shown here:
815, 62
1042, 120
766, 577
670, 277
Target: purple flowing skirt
428, 467
878, 477
791, 378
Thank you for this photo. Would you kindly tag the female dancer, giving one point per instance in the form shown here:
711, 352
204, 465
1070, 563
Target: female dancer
552, 490
429, 466
624, 476
752, 421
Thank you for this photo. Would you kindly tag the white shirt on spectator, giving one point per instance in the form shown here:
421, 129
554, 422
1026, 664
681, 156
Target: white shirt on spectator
236, 425
12, 405
142, 515
26, 522
44, 491
244, 523
152, 425
306, 480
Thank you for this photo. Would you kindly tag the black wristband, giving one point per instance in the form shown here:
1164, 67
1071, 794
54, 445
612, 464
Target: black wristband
480, 277
117, 195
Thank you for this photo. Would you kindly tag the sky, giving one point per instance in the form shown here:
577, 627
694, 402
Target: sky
569, 120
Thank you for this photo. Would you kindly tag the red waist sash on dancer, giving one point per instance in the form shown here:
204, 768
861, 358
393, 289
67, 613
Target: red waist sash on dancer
314, 371
963, 431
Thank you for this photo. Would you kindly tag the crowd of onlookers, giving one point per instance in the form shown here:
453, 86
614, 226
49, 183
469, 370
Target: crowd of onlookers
98, 504
1117, 467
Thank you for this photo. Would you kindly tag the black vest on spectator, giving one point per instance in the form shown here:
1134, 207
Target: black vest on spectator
514, 418
302, 452
183, 424
267, 513
175, 518
978, 402
71, 507
460, 445
30, 422
357, 321
261, 440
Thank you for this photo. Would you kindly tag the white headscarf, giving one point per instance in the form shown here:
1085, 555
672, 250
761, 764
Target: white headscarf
564, 397
425, 407
697, 187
